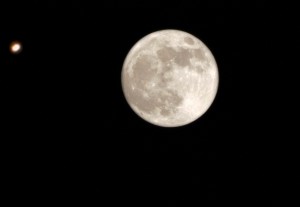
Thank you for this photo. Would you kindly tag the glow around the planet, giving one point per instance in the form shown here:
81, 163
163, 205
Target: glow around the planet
170, 78
15, 47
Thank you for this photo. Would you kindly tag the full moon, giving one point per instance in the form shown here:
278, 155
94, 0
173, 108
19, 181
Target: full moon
170, 78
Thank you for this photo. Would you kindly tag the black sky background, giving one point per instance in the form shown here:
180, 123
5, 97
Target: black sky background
72, 136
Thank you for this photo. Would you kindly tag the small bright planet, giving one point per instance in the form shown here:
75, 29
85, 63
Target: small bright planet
15, 47
170, 78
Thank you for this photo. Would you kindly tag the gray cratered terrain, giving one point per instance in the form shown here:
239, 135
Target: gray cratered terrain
170, 78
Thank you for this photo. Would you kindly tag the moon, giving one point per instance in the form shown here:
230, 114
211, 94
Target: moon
170, 78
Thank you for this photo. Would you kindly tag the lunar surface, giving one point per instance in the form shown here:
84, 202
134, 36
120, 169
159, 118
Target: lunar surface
170, 78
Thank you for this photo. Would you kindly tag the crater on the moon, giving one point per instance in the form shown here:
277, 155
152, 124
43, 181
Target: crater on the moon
166, 100
199, 54
182, 57
148, 98
189, 40
144, 69
166, 54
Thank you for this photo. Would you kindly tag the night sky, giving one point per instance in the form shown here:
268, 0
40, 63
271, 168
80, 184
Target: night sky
72, 136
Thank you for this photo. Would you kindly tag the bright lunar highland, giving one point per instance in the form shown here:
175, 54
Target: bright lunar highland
170, 78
